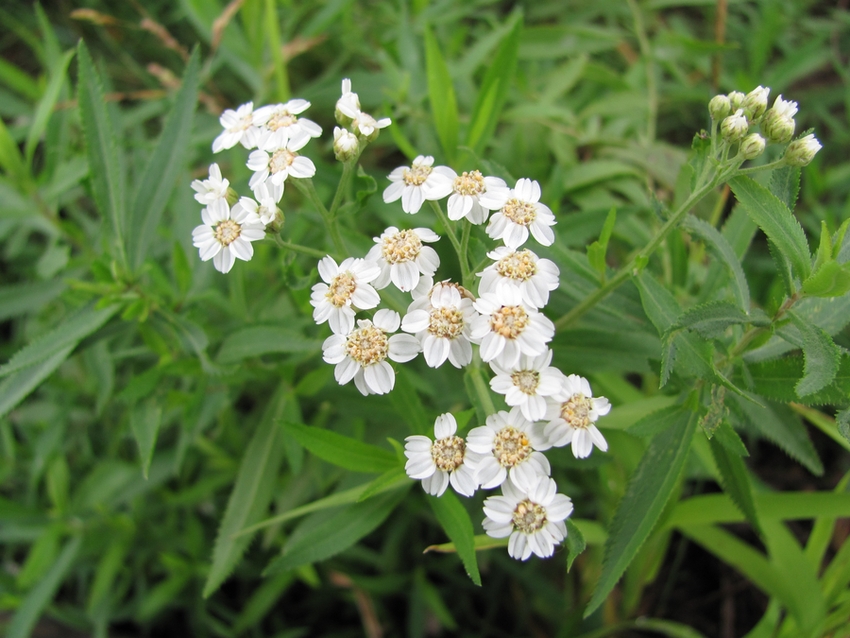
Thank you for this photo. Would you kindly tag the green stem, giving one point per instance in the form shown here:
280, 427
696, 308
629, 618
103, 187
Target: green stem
309, 191
298, 248
342, 187
765, 167
464, 248
481, 387
273, 33
450, 231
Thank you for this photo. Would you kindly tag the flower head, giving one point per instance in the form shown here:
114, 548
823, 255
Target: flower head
283, 125
473, 196
520, 212
719, 107
734, 127
348, 114
402, 257
273, 165
535, 278
572, 417
227, 234
752, 146
213, 192
239, 128
778, 124
346, 287
362, 353
528, 383
447, 460
417, 183
801, 152
755, 103
533, 517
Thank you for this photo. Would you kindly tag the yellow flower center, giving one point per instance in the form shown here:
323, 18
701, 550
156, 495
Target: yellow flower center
281, 160
227, 231
281, 119
471, 183
401, 246
522, 213
526, 380
448, 453
511, 447
529, 517
416, 174
519, 265
445, 322
509, 321
341, 288
576, 411
367, 345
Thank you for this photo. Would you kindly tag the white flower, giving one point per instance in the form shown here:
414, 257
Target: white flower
784, 108
212, 192
510, 447
346, 145
520, 212
274, 166
345, 286
419, 182
507, 328
446, 460
361, 354
470, 193
533, 518
282, 122
528, 383
238, 128
402, 257
572, 415
755, 102
441, 320
225, 236
266, 209
348, 106
521, 269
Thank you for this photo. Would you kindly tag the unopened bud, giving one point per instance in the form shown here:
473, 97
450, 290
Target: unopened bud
346, 145
231, 196
276, 224
737, 99
719, 107
734, 127
752, 146
755, 103
777, 126
801, 152
348, 105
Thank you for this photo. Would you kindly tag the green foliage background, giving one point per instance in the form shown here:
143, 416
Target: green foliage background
177, 460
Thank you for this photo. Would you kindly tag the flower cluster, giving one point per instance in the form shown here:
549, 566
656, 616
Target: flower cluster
737, 113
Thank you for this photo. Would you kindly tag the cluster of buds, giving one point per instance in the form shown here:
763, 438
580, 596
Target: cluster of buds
737, 113
356, 128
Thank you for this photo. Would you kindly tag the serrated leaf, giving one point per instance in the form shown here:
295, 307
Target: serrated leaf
656, 422
19, 299
777, 222
785, 185
254, 341
343, 451
145, 419
647, 493
17, 386
68, 333
668, 361
735, 480
336, 533
822, 358
455, 521
842, 420
254, 488
441, 94
575, 543
727, 437
105, 165
164, 167
700, 149
777, 378
711, 319
722, 250
830, 280
46, 104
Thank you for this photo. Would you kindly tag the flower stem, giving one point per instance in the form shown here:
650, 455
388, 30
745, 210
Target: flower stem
298, 248
342, 187
309, 191
480, 385
461, 255
464, 248
764, 167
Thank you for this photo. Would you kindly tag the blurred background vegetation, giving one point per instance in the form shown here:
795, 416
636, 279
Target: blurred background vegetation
603, 101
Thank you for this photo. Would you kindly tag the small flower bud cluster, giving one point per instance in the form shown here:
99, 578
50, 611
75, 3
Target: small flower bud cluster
737, 113
356, 128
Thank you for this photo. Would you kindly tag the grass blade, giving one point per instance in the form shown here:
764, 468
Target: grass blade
343, 451
145, 421
46, 104
455, 521
16, 387
442, 96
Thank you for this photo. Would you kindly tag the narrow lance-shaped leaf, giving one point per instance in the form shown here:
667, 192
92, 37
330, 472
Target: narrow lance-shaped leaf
822, 357
442, 96
343, 451
575, 543
723, 250
711, 319
46, 104
145, 419
16, 387
735, 480
647, 493
455, 521
164, 167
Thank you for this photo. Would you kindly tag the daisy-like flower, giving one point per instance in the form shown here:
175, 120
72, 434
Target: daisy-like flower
522, 269
520, 212
348, 113
226, 235
212, 192
441, 321
507, 328
533, 518
238, 127
471, 191
446, 460
362, 353
346, 287
528, 383
266, 209
419, 182
402, 257
572, 416
274, 165
509, 446
284, 124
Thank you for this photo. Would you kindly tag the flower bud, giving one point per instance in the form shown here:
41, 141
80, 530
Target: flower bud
347, 104
778, 127
801, 152
755, 103
346, 145
752, 146
231, 196
734, 127
719, 107
737, 99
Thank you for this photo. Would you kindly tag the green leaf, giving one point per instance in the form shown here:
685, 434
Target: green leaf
408, 405
164, 167
735, 480
647, 493
728, 438
253, 341
711, 319
494, 89
40, 596
343, 451
575, 543
442, 96
105, 165
829, 280
842, 420
254, 488
17, 386
597, 250
785, 506
336, 533
455, 521
723, 251
785, 185
777, 222
656, 422
145, 419
700, 150
46, 104
777, 378
387, 480
68, 333
593, 172
822, 357
10, 158
20, 299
